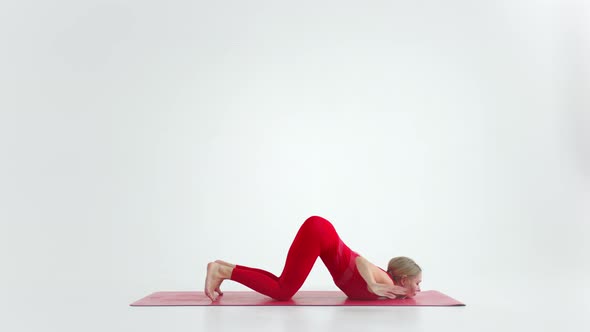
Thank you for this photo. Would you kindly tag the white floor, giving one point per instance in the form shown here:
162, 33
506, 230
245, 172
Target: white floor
106, 308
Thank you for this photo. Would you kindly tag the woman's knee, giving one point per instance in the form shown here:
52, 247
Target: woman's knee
284, 294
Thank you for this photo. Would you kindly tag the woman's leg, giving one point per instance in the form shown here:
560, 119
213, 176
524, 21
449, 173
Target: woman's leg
219, 270
315, 238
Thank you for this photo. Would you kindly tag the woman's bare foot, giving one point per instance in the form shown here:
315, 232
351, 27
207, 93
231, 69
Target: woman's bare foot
224, 263
216, 273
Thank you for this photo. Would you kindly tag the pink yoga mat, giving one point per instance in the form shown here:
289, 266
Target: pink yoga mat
305, 298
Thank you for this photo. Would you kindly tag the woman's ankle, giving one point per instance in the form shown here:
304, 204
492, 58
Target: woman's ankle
225, 271
225, 263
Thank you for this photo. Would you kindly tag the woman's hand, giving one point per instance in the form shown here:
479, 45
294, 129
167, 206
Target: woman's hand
389, 291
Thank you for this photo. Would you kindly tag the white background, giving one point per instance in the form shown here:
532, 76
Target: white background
141, 139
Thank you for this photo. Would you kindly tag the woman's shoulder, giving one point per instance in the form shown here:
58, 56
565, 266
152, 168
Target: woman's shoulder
380, 275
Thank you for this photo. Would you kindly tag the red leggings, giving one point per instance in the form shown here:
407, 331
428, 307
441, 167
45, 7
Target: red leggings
315, 238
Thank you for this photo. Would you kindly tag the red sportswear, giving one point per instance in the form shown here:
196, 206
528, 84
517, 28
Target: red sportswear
315, 238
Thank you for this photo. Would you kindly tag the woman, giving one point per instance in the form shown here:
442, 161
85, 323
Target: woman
353, 274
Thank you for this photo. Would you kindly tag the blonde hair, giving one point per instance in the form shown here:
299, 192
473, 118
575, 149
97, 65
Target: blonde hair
399, 267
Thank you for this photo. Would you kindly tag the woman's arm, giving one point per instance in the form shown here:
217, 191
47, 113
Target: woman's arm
366, 269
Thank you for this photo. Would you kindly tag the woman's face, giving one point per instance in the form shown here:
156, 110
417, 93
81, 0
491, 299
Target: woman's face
412, 285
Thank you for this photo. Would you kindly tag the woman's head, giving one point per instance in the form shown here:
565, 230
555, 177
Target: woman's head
406, 273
